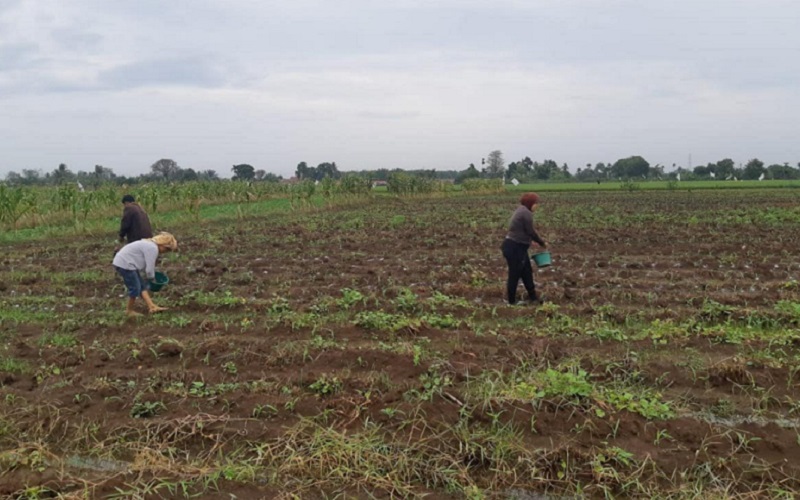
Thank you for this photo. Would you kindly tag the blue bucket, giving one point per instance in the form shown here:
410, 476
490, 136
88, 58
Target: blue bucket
542, 259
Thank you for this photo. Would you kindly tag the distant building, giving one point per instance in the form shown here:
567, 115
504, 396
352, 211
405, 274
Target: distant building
290, 180
379, 184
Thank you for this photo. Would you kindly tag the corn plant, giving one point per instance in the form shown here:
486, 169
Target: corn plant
15, 203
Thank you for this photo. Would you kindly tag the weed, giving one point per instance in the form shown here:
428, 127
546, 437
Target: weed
264, 411
437, 321
350, 298
326, 385
58, 340
407, 301
662, 435
13, 365
147, 409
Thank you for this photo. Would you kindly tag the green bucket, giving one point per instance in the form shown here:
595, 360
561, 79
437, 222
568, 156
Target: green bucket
159, 282
542, 259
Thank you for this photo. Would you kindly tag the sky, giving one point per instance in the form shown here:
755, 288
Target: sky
403, 84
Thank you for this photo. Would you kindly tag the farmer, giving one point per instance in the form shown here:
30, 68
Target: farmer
135, 223
520, 237
137, 257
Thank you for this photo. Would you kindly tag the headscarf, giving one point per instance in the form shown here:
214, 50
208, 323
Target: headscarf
529, 200
165, 239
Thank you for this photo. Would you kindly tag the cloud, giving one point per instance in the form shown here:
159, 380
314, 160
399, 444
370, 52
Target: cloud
78, 40
18, 55
193, 71
438, 83
388, 115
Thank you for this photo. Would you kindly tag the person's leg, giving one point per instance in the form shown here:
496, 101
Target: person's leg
151, 307
514, 261
133, 284
527, 278
129, 310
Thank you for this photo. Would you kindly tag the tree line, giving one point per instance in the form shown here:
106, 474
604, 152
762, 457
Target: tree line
493, 166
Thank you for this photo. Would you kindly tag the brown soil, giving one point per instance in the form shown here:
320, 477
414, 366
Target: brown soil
75, 398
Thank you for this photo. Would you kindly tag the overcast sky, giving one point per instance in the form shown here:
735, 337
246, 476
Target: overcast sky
402, 83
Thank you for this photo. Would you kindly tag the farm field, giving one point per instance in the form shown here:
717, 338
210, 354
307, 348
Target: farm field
367, 350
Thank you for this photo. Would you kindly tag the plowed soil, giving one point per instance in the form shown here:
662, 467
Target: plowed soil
382, 326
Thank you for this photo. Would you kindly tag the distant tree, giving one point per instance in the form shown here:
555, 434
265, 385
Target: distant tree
62, 174
13, 178
31, 176
783, 172
602, 169
327, 170
724, 168
546, 170
587, 174
270, 177
259, 174
428, 173
303, 171
208, 175
98, 176
243, 172
103, 174
470, 173
186, 175
631, 167
753, 169
495, 165
165, 168
382, 174
521, 170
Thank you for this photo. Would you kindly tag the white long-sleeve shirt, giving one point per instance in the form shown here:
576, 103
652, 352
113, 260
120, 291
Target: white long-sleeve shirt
138, 256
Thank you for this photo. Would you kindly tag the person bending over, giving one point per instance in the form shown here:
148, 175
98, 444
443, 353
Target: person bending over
137, 258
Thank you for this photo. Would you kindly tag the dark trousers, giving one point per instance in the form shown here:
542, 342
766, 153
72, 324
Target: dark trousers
519, 266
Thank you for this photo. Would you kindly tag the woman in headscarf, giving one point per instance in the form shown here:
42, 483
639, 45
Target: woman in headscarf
522, 235
140, 257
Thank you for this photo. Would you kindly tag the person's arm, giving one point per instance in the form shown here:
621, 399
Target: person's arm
533, 234
125, 225
535, 237
150, 256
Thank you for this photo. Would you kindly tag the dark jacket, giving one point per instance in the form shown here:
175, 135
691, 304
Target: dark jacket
520, 228
135, 224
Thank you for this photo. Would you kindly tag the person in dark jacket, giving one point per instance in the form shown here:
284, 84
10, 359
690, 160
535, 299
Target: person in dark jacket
135, 224
522, 235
